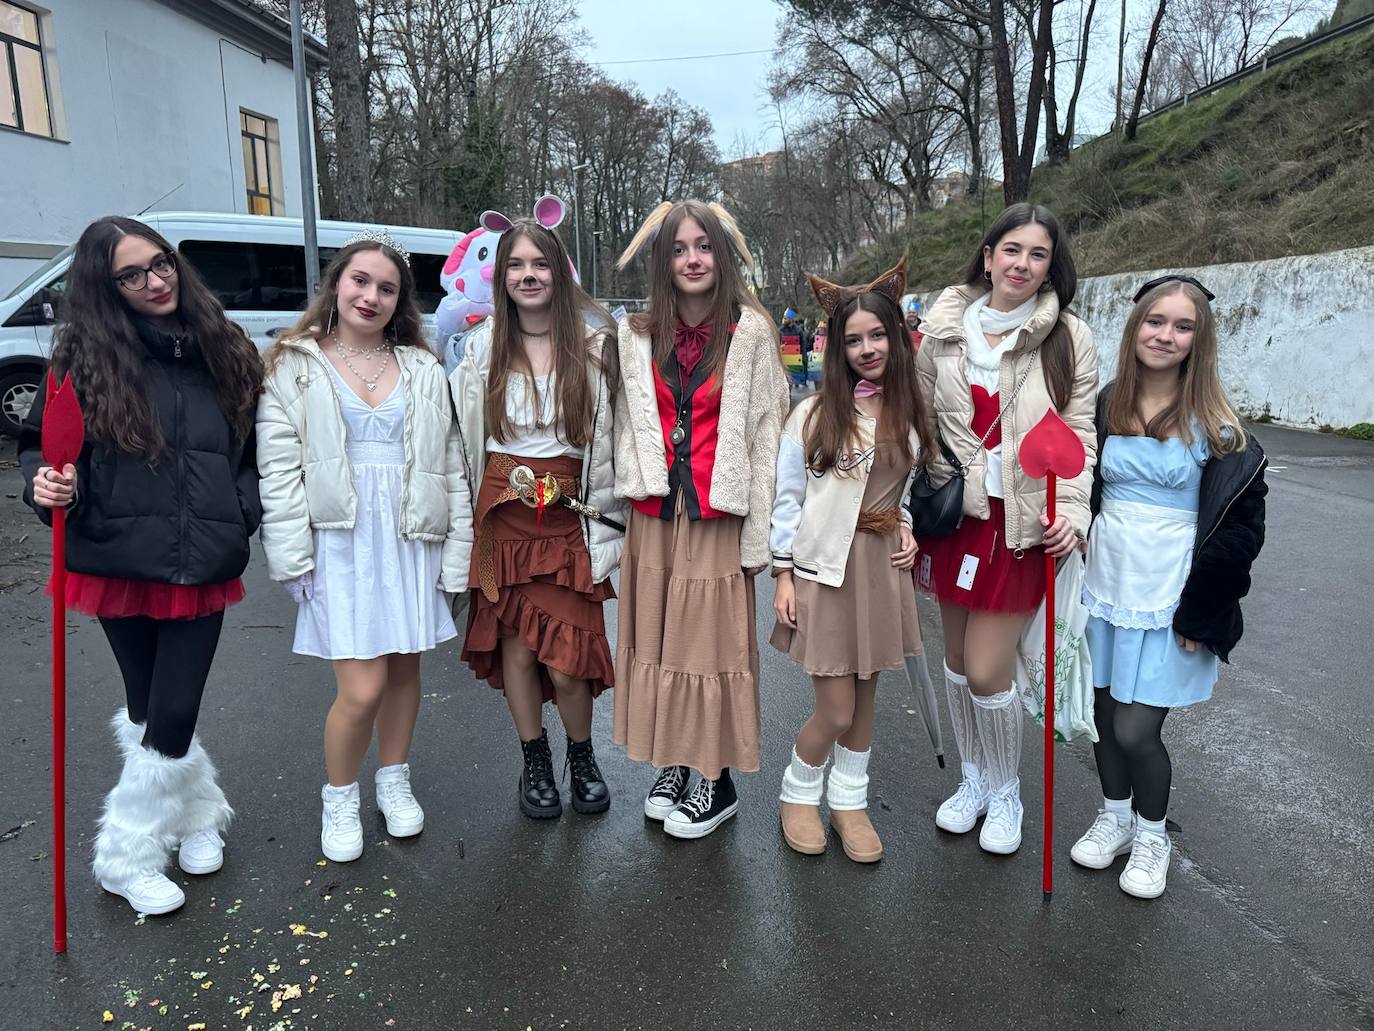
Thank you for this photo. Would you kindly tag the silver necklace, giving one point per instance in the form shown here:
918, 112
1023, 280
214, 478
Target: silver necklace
369, 382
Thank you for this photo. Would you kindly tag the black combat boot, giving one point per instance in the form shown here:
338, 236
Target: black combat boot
538, 789
590, 792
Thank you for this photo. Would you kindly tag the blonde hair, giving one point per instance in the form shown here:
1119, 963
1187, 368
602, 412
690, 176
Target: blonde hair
1200, 395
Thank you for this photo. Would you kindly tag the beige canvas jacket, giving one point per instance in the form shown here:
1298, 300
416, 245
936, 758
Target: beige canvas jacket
945, 387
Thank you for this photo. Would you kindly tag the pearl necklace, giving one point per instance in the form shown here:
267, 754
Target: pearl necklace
344, 351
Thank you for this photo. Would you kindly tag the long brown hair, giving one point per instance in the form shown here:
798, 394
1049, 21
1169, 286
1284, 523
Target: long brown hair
569, 335
98, 343
730, 295
1200, 394
321, 315
831, 425
1056, 353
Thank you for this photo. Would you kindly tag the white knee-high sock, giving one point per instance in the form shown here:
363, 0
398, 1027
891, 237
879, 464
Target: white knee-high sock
999, 719
965, 727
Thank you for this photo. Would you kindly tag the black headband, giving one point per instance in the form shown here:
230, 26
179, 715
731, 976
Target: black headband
1173, 279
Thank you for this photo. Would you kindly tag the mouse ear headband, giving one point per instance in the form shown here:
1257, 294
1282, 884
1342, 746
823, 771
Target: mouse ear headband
643, 240
891, 284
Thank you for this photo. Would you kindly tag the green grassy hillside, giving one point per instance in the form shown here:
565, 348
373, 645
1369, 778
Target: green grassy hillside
1281, 163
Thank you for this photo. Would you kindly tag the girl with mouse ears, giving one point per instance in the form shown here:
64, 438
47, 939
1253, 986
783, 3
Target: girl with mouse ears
701, 406
843, 553
998, 350
1178, 503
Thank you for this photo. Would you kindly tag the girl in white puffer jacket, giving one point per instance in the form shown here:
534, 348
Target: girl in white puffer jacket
366, 517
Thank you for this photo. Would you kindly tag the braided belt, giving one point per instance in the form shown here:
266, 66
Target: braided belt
879, 521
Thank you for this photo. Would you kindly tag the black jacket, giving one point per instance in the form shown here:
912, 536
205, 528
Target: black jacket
1230, 533
182, 519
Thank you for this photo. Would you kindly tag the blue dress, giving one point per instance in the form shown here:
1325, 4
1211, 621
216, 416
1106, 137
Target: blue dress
1140, 551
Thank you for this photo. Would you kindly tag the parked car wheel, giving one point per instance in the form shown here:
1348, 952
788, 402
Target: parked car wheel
18, 390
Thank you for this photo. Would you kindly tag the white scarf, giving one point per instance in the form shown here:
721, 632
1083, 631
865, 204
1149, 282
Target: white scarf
981, 319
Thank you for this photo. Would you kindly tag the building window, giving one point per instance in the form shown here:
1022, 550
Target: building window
262, 164
23, 80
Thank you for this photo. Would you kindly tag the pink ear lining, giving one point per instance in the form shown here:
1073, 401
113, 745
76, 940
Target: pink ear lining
494, 221
549, 211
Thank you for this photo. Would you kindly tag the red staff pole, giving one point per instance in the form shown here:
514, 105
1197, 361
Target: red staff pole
1047, 872
59, 729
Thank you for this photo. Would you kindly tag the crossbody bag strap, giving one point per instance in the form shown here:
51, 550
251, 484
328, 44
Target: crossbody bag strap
950, 456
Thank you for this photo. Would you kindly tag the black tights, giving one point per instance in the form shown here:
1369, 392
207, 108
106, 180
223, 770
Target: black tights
1131, 757
164, 663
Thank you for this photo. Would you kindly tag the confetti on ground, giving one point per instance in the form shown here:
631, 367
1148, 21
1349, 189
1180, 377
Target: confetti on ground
107, 1017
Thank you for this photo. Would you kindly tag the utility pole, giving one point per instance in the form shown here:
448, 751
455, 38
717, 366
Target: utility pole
577, 215
312, 247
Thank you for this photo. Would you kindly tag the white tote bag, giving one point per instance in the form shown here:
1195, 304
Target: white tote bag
1073, 670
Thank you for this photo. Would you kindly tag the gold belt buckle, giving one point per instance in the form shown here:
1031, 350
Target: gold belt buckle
523, 482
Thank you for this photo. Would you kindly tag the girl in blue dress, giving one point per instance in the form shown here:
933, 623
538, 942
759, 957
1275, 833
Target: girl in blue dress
1178, 506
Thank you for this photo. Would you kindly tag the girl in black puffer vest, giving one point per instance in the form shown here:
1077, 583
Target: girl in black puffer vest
161, 503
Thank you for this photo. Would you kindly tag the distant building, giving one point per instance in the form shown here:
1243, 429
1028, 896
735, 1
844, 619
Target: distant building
114, 106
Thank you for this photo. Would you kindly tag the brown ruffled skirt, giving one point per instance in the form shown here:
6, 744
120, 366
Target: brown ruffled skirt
686, 655
545, 597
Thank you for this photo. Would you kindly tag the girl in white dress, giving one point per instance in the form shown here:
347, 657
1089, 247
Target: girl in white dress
366, 518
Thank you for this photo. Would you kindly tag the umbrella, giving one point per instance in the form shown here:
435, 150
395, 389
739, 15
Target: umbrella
63, 434
1048, 451
918, 676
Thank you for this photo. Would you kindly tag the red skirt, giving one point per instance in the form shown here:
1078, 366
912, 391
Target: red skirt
1000, 580
545, 597
113, 598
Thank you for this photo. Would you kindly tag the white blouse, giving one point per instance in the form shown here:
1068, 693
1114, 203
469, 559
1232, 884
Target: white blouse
532, 437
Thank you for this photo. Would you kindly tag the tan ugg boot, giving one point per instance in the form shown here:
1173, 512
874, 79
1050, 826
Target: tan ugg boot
847, 794
802, 828
860, 840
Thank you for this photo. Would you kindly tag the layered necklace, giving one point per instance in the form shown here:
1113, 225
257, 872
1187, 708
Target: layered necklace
347, 352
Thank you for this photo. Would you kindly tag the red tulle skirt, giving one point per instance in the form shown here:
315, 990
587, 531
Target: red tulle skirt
1001, 581
113, 598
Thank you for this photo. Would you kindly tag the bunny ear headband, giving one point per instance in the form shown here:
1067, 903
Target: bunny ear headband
891, 284
643, 240
549, 212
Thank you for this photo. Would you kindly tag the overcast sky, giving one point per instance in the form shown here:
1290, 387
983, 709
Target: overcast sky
733, 89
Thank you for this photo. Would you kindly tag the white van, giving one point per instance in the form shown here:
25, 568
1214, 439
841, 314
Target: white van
254, 264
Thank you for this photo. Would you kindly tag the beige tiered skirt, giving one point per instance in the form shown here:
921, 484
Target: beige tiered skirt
687, 660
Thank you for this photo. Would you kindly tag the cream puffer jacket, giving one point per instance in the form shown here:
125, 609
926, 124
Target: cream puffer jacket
814, 516
307, 480
945, 388
469, 386
753, 406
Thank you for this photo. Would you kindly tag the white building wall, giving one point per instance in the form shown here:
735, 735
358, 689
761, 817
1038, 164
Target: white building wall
150, 101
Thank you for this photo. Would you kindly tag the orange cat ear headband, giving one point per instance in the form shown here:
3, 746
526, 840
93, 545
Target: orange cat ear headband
891, 284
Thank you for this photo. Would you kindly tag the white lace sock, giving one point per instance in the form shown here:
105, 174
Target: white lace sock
961, 715
999, 719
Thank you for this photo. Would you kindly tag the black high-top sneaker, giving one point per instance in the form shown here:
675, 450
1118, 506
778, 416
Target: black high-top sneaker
590, 792
538, 789
710, 804
670, 788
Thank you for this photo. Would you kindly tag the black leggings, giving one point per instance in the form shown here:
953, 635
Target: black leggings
1131, 757
164, 663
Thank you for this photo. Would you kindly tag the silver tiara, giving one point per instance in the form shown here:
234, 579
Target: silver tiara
382, 237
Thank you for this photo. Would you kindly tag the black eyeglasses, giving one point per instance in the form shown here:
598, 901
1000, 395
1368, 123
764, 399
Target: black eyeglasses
1173, 279
135, 279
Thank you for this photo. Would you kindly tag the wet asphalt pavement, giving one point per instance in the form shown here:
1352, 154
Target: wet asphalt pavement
491, 920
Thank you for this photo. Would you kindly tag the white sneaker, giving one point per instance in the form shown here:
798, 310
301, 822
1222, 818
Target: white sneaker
1001, 833
1106, 839
1148, 866
341, 830
958, 813
201, 852
150, 892
404, 817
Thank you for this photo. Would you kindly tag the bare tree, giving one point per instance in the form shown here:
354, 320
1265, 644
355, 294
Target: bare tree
351, 182
1134, 121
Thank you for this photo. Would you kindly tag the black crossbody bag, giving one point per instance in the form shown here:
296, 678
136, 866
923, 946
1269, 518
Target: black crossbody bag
938, 511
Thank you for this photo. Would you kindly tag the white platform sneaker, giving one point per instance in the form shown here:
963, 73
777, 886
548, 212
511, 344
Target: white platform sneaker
149, 892
201, 852
1001, 833
1148, 867
959, 813
341, 826
404, 817
1106, 839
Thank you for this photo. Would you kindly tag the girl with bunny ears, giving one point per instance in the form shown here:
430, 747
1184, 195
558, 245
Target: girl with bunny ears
533, 395
697, 425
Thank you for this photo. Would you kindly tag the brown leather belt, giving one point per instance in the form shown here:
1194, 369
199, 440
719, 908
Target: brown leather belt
879, 521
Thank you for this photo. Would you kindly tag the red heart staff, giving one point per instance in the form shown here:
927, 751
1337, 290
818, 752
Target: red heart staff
64, 432
1050, 450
